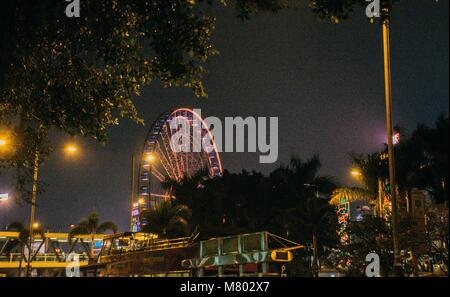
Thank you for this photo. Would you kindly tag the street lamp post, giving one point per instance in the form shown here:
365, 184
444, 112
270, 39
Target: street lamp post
132, 192
70, 150
4, 143
150, 158
143, 203
3, 199
33, 209
388, 96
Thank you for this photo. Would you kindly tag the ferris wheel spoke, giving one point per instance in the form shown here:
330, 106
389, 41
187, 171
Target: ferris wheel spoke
178, 161
170, 153
195, 164
183, 169
165, 163
203, 161
193, 156
174, 158
185, 162
200, 161
195, 159
158, 175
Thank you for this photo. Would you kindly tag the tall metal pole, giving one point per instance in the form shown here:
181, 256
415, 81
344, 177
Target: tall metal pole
4, 222
132, 192
392, 180
149, 198
380, 198
33, 209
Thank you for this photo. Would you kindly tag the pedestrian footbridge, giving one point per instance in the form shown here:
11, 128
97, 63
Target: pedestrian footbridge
43, 261
48, 251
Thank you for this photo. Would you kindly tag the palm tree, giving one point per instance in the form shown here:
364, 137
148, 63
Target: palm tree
372, 169
349, 194
305, 179
318, 219
92, 227
305, 209
423, 160
209, 200
167, 219
22, 241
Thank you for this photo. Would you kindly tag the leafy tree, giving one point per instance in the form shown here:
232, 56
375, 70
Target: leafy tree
92, 226
421, 163
333, 10
300, 180
167, 220
215, 203
305, 214
423, 160
82, 75
371, 235
437, 233
318, 220
292, 201
372, 169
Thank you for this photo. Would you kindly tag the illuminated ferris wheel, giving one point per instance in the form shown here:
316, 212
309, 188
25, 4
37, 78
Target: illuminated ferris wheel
160, 162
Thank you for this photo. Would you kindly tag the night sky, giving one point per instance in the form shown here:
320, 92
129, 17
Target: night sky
323, 81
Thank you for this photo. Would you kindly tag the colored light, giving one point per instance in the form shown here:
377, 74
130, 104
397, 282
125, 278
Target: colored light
150, 158
355, 172
71, 149
5, 139
396, 138
4, 197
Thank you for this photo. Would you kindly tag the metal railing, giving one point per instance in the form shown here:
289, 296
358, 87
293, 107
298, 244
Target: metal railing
51, 257
166, 243
150, 244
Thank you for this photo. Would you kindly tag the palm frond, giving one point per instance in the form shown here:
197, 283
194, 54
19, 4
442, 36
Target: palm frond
10, 246
349, 194
16, 227
167, 219
77, 230
105, 226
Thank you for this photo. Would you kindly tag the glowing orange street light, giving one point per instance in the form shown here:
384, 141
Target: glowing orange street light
71, 149
5, 139
150, 158
36, 225
356, 173
7, 143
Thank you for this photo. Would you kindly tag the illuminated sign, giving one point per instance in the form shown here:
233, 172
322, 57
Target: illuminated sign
4, 197
281, 256
98, 244
396, 138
